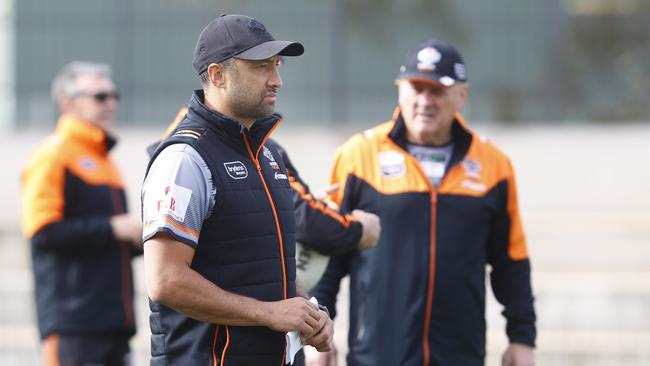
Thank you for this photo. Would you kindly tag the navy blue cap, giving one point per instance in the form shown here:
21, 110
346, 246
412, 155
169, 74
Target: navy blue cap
241, 37
434, 60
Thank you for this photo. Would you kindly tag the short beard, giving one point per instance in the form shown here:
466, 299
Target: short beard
243, 104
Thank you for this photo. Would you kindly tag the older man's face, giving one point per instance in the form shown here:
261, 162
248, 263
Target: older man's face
94, 100
428, 109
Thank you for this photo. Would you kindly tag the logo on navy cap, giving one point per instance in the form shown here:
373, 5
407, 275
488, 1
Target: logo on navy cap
256, 26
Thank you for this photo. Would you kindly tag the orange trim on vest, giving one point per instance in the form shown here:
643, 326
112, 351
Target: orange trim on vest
225, 347
273, 209
214, 346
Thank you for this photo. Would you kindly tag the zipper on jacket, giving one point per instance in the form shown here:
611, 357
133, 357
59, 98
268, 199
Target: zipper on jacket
275, 214
433, 200
431, 280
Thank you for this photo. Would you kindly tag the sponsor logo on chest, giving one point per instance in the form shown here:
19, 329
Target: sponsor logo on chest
472, 171
269, 156
391, 164
236, 170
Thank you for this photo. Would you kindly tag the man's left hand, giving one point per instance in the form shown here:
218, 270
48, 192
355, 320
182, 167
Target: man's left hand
322, 339
518, 354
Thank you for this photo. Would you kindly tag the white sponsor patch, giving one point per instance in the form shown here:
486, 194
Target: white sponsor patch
280, 176
474, 186
174, 202
236, 169
391, 164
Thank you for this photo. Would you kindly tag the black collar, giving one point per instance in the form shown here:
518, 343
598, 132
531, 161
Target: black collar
229, 127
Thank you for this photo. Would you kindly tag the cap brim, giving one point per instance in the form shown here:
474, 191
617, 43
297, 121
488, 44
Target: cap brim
271, 48
427, 78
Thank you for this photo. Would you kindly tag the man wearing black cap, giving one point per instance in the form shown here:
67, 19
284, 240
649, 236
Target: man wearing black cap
219, 225
447, 202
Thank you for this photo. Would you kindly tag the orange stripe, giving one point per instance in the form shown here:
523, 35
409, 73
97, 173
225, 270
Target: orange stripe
214, 346
432, 268
318, 205
275, 214
51, 350
174, 224
225, 348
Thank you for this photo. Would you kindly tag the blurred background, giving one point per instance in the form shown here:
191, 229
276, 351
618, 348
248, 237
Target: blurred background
562, 86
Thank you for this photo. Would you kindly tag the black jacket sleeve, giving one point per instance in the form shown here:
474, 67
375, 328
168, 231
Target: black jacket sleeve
318, 227
327, 289
510, 280
79, 235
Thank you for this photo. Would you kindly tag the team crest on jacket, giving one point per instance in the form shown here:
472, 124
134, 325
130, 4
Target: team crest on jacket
391, 164
236, 169
267, 154
472, 168
88, 164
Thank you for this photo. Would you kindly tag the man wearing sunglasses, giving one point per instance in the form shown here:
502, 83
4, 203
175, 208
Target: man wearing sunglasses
82, 240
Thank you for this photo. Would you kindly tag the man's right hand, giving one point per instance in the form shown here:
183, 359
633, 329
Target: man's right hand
127, 229
294, 314
371, 228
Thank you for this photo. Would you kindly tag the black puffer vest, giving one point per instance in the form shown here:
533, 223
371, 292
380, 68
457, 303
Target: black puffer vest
247, 245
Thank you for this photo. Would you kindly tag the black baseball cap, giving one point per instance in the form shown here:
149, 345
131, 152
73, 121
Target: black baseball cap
238, 36
434, 60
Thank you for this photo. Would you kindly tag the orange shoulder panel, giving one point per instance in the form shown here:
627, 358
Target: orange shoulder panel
483, 168
374, 158
518, 249
42, 187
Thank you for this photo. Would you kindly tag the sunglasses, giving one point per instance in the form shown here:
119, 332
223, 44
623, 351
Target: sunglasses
100, 97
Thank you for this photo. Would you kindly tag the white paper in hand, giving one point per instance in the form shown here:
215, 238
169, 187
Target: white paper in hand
293, 341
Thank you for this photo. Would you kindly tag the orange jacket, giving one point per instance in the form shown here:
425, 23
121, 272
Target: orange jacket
419, 296
70, 189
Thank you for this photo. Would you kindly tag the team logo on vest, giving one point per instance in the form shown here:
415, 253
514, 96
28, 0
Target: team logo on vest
472, 168
236, 169
279, 176
391, 164
267, 154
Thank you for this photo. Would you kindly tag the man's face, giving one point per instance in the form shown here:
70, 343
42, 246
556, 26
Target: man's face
252, 87
429, 108
94, 100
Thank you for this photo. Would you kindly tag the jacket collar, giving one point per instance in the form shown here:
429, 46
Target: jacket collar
85, 133
461, 136
229, 127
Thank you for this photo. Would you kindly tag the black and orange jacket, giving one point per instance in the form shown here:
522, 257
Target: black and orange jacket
246, 246
318, 227
71, 188
418, 298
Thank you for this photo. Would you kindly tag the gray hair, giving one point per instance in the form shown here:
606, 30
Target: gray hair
63, 83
